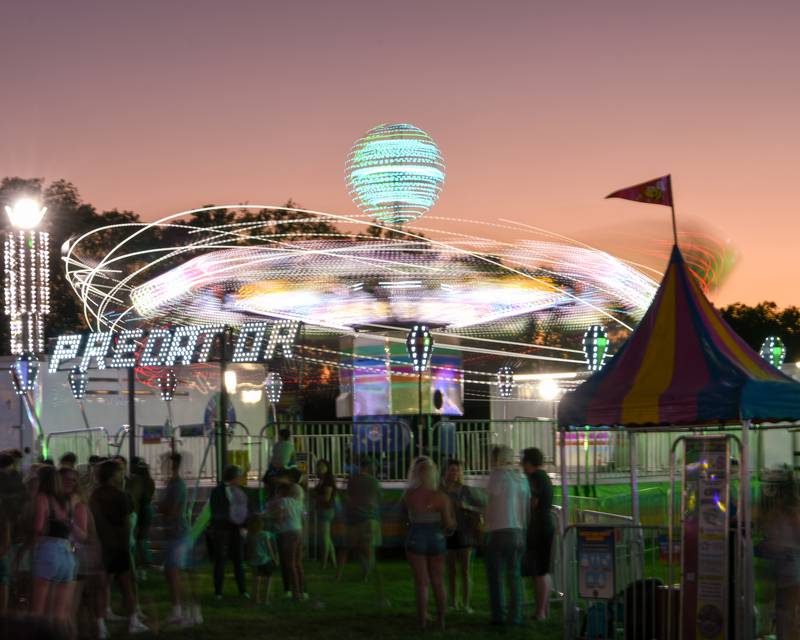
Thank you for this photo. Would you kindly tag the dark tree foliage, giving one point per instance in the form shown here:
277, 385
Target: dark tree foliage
765, 319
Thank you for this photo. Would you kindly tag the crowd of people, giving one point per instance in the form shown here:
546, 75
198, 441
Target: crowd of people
71, 533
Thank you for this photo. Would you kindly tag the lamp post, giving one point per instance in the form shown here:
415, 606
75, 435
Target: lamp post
27, 296
27, 290
419, 343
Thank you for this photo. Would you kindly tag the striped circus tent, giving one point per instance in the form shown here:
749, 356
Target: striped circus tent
683, 365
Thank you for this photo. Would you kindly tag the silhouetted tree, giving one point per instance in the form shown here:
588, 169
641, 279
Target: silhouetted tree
754, 323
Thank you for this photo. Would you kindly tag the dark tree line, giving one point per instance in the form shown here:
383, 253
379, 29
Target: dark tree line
765, 319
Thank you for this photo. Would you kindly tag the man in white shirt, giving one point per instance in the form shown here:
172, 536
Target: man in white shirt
507, 515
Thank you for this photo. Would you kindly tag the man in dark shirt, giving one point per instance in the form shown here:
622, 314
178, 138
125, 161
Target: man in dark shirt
540, 528
112, 508
228, 515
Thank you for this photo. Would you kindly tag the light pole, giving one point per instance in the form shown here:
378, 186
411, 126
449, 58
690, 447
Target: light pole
27, 278
27, 298
419, 343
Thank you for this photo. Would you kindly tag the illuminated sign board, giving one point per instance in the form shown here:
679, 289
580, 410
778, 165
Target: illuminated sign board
256, 341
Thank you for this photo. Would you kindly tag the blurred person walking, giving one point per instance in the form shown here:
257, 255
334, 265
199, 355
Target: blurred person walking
111, 508
468, 510
430, 517
324, 495
541, 529
178, 557
506, 521
228, 516
54, 565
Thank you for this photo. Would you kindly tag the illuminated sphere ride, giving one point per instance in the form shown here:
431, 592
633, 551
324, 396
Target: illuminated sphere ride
395, 173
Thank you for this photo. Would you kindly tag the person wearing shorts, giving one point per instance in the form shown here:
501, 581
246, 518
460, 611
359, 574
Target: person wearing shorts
430, 515
53, 567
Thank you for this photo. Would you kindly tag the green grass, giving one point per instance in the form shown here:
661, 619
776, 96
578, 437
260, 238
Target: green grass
339, 611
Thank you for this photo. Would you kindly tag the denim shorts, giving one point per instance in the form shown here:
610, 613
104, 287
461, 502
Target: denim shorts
178, 553
426, 539
54, 560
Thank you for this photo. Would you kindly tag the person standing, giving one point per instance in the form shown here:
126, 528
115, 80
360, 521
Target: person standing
287, 513
260, 555
178, 557
112, 508
324, 495
430, 516
228, 516
541, 529
363, 520
54, 565
142, 489
506, 521
468, 513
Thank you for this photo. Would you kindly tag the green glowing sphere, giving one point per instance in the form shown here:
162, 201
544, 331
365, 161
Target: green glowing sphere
395, 173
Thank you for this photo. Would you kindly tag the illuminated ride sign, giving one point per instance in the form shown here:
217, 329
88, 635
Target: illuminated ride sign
256, 341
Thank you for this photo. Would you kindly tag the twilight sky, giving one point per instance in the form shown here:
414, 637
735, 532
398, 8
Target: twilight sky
540, 108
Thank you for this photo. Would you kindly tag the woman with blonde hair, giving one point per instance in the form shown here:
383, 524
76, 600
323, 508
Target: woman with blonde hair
430, 517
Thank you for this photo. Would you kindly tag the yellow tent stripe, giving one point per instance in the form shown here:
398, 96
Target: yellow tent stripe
641, 404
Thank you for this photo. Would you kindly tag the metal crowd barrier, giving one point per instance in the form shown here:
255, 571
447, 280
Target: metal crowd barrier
637, 604
391, 444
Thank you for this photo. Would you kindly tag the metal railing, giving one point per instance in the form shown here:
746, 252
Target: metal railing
592, 457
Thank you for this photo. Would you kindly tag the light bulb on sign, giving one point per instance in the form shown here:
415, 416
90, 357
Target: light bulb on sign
549, 389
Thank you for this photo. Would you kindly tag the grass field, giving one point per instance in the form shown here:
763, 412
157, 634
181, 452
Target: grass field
349, 609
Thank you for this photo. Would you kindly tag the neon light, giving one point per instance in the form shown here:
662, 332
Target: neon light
774, 351
78, 379
67, 348
395, 173
505, 381
97, 348
595, 347
420, 347
125, 349
273, 386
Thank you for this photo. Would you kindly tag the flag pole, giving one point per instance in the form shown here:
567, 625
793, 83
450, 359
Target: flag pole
672, 207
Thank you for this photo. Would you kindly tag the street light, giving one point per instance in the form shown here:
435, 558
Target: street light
27, 290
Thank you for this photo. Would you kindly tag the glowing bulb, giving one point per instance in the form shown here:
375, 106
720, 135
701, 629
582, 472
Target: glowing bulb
230, 381
251, 396
26, 213
548, 389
